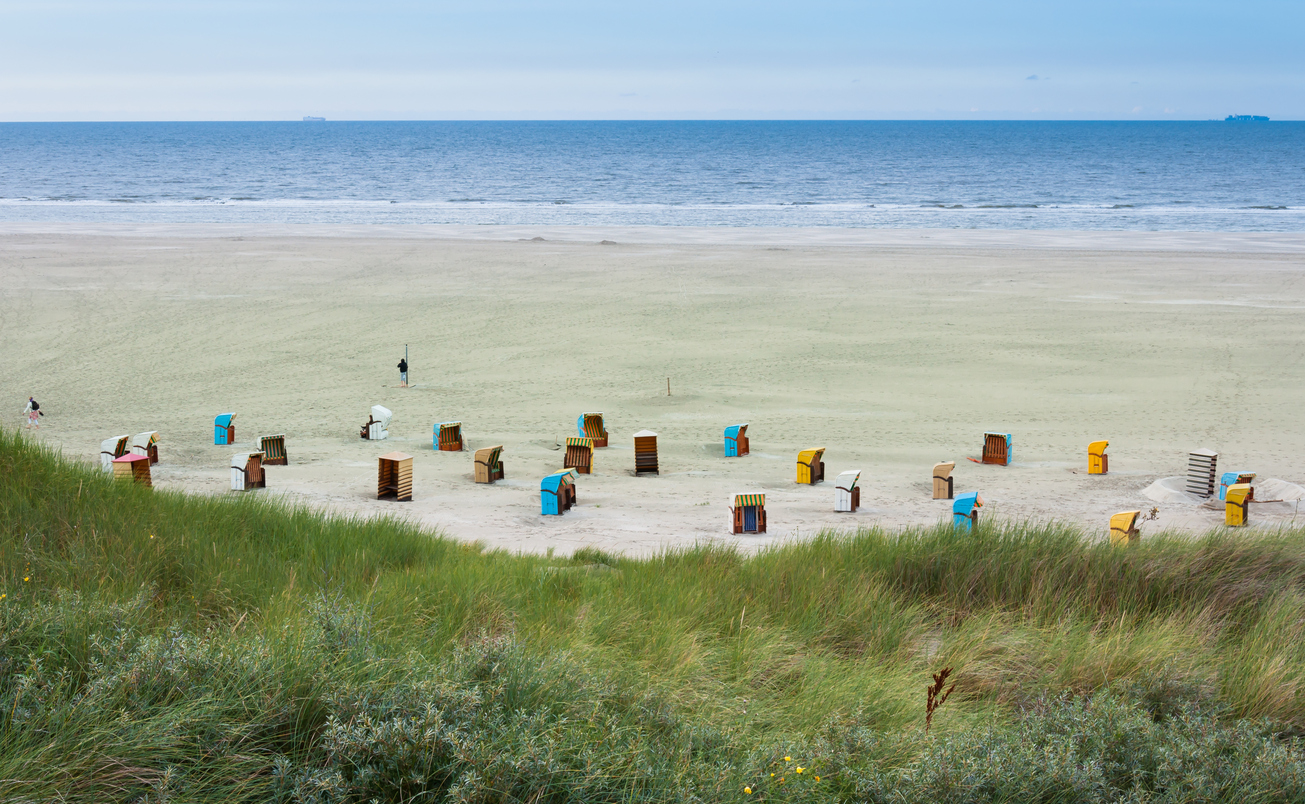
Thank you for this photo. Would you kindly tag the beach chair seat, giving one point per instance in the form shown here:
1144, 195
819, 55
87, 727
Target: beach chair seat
1201, 468
247, 471
748, 513
557, 493
112, 448
590, 426
488, 465
645, 452
942, 480
965, 510
1123, 530
1237, 505
224, 429
810, 467
1229, 479
736, 440
133, 467
448, 436
394, 477
579, 455
996, 448
1098, 460
273, 447
847, 491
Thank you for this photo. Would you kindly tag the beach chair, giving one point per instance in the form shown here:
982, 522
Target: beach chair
378, 424
394, 477
1201, 465
488, 466
591, 427
133, 467
996, 448
810, 469
111, 448
1122, 528
645, 452
847, 494
247, 471
965, 510
556, 493
274, 453
224, 429
1237, 505
942, 480
1229, 479
748, 513
448, 437
579, 455
1098, 460
736, 441
146, 444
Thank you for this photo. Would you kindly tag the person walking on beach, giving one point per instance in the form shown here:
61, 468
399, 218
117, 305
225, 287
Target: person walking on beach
34, 414
403, 372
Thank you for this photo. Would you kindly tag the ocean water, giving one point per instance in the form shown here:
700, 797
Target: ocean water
1179, 176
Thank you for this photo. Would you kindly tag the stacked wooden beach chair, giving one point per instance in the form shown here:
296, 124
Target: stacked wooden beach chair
645, 452
489, 467
1201, 467
394, 477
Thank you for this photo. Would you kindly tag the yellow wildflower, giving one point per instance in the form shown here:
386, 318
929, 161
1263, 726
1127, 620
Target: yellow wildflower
747, 790
788, 759
817, 778
800, 769
26, 578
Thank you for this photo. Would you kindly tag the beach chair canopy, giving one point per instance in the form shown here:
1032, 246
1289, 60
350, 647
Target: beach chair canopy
241, 459
847, 480
145, 440
735, 430
383, 415
224, 419
747, 500
552, 482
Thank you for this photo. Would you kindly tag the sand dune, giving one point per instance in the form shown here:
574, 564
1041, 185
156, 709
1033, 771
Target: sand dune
892, 349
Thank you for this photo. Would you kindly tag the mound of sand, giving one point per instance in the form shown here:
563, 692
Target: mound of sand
1274, 489
1171, 490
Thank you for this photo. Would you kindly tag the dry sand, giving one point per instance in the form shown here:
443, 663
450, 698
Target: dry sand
892, 349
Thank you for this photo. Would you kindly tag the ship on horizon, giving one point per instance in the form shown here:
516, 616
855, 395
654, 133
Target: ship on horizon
1232, 118
310, 119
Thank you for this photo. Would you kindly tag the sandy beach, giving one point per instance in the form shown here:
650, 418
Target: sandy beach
892, 349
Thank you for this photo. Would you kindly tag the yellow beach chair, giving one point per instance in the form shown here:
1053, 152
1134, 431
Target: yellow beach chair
810, 469
1237, 505
1098, 461
1123, 530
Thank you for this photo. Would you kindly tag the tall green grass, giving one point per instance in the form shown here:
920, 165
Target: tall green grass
157, 646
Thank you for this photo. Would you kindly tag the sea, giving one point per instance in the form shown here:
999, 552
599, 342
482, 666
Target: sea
1159, 176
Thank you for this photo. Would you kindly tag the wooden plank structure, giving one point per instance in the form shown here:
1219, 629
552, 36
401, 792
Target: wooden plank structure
133, 467
224, 429
847, 492
1201, 465
810, 469
645, 452
996, 448
488, 465
378, 424
1098, 460
146, 444
394, 477
1237, 505
965, 510
247, 471
1229, 479
942, 480
748, 513
448, 437
579, 455
590, 426
111, 448
274, 453
1123, 528
557, 493
736, 441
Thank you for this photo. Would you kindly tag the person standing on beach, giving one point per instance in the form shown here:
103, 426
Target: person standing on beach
34, 414
403, 372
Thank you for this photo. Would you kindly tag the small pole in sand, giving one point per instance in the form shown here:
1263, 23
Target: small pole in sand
405, 360
668, 386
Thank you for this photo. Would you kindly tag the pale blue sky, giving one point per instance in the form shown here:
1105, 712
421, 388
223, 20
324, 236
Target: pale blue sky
954, 59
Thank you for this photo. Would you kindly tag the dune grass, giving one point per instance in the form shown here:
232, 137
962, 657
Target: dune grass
159, 646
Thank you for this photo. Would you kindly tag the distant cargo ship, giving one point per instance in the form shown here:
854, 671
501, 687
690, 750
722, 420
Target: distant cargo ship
308, 119
1232, 118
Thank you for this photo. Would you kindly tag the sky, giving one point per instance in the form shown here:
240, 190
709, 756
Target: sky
710, 59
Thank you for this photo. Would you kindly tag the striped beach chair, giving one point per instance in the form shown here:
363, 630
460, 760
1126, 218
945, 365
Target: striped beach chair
579, 455
274, 453
590, 426
748, 513
448, 437
247, 471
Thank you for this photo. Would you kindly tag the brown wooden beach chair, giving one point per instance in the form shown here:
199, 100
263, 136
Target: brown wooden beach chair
488, 465
942, 480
